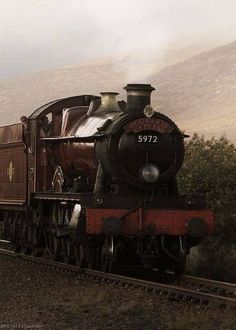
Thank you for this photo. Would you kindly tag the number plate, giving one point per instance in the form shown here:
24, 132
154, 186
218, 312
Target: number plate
147, 138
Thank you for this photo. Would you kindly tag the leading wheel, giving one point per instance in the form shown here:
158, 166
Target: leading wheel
107, 255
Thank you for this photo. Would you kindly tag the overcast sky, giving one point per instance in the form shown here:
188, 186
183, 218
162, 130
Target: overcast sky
38, 35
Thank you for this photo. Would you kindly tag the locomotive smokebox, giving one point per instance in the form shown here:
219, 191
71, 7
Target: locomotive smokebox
138, 97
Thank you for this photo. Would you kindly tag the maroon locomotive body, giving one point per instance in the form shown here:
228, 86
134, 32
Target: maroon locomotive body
93, 181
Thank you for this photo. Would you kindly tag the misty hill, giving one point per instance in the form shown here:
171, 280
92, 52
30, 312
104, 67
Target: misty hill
198, 93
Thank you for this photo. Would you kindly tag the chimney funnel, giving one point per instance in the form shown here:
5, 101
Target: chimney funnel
138, 97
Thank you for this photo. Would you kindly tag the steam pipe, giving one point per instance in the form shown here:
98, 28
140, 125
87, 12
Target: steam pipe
99, 184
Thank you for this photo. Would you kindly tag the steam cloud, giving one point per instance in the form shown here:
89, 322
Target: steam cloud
41, 34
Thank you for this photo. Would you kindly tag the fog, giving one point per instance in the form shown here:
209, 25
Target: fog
39, 35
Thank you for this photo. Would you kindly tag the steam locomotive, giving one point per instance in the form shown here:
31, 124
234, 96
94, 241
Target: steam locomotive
92, 180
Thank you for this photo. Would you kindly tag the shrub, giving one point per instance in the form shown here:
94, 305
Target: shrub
209, 170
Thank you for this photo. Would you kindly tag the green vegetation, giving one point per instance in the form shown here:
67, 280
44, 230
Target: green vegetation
209, 169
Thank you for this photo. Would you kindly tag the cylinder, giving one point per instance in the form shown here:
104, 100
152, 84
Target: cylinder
138, 97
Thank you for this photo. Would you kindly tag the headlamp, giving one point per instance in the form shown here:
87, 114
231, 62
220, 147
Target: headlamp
149, 173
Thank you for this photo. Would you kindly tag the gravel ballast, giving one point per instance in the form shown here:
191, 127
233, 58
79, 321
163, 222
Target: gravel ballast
36, 297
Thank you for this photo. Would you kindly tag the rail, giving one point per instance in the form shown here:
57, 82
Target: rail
176, 292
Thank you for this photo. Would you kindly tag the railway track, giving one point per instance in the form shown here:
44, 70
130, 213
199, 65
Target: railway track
219, 287
202, 291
